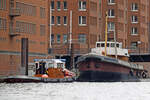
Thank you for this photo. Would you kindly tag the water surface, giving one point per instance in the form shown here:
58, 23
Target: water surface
76, 91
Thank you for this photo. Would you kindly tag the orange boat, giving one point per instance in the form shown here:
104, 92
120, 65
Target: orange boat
46, 70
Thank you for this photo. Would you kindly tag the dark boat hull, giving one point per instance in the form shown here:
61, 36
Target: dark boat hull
29, 79
99, 76
95, 68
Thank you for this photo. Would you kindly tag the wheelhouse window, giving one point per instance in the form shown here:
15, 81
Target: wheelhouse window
51, 65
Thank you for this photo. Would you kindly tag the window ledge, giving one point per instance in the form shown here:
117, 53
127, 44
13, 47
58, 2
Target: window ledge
82, 9
111, 3
58, 24
82, 25
65, 9
111, 16
134, 22
58, 9
134, 10
134, 34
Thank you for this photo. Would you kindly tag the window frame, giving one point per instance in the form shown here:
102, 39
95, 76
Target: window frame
80, 21
81, 5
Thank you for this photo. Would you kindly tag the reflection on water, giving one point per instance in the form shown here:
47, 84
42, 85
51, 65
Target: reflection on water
75, 91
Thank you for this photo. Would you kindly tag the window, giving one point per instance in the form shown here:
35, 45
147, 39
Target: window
134, 19
2, 24
65, 38
134, 31
111, 13
133, 45
58, 5
65, 20
134, 7
111, 26
82, 5
58, 20
82, 20
111, 1
42, 30
26, 9
52, 5
65, 5
58, 38
82, 38
42, 12
52, 38
25, 27
3, 4
52, 20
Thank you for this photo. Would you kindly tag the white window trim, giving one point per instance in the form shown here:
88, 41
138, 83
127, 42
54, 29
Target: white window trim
133, 21
133, 33
134, 10
110, 10
82, 21
82, 9
66, 21
111, 16
111, 3
111, 30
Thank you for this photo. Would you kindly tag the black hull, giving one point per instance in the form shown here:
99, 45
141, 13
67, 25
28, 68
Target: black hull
99, 76
29, 79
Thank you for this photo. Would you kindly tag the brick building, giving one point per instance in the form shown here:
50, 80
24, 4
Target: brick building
22, 19
129, 19
76, 21
72, 25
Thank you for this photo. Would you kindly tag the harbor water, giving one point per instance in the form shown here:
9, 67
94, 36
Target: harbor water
75, 91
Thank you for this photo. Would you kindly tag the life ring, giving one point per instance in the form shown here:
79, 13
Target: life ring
144, 75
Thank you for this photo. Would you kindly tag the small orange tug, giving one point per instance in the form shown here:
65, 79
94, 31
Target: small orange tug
46, 70
52, 68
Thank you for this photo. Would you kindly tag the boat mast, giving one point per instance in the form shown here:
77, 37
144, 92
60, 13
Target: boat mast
106, 34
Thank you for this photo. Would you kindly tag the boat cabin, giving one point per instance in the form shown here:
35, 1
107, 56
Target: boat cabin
110, 50
43, 64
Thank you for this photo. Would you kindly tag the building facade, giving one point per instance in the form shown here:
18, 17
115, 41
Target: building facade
22, 19
74, 25
129, 20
